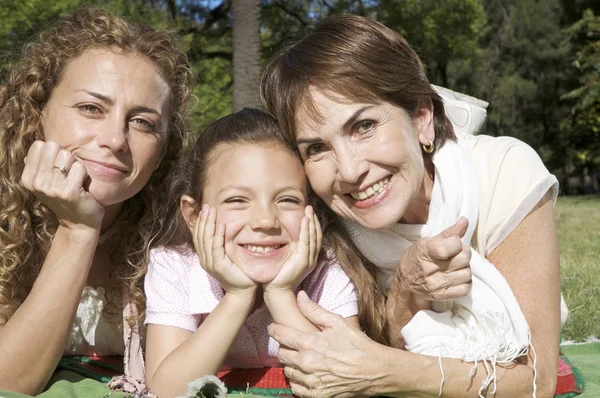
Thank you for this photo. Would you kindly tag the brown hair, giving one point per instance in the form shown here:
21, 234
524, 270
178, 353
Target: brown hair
252, 126
353, 57
27, 226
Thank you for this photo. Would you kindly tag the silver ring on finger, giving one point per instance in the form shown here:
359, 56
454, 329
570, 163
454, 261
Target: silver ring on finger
62, 168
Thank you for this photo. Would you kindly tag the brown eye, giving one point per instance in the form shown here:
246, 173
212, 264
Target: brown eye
314, 149
365, 126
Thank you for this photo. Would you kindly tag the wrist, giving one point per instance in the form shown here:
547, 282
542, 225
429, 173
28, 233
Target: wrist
79, 234
274, 295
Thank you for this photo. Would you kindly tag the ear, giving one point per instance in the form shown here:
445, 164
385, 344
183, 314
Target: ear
424, 121
189, 210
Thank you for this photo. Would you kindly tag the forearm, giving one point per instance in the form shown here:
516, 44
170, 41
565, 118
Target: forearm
284, 309
34, 338
414, 375
400, 308
204, 352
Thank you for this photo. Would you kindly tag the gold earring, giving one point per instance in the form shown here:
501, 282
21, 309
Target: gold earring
429, 148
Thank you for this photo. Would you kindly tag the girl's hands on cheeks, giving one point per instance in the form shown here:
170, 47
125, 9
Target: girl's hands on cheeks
61, 191
209, 241
303, 255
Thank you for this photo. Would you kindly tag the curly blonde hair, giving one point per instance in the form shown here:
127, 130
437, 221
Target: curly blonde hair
27, 226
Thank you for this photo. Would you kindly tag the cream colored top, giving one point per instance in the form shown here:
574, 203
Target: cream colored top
92, 334
511, 179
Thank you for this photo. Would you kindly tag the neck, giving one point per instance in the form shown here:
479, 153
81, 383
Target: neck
417, 211
110, 216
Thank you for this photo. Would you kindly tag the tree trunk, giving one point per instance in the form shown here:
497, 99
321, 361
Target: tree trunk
246, 54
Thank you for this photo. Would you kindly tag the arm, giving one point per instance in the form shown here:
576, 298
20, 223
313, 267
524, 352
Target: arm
340, 362
29, 360
177, 356
34, 338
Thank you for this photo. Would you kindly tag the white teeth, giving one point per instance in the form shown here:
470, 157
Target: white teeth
370, 191
261, 249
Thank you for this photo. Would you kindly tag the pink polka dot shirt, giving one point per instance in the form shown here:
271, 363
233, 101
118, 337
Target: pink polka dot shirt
181, 294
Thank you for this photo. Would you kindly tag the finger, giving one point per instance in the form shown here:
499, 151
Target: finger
453, 292
312, 238
198, 234
458, 229
31, 164
76, 177
48, 157
304, 238
461, 260
63, 158
218, 244
208, 236
443, 248
319, 233
290, 338
315, 313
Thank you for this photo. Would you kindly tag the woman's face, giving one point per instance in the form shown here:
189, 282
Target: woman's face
364, 160
111, 110
260, 193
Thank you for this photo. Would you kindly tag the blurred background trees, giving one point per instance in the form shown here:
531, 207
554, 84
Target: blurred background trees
536, 61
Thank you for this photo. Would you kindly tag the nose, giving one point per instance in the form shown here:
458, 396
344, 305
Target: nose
114, 134
351, 165
264, 217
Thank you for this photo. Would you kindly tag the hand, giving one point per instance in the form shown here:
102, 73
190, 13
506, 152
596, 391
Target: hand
337, 361
209, 241
437, 268
303, 255
61, 191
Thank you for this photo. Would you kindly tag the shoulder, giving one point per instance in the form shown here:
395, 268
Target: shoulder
511, 180
178, 259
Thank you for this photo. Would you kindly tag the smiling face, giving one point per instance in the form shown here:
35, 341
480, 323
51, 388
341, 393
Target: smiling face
111, 111
364, 160
260, 192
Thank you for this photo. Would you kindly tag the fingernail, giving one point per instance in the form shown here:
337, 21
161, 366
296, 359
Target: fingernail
204, 207
302, 296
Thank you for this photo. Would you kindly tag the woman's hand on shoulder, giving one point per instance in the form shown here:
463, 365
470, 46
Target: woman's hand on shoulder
303, 255
437, 268
209, 242
57, 179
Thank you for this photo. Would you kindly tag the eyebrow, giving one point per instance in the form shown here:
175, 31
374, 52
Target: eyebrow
101, 97
351, 120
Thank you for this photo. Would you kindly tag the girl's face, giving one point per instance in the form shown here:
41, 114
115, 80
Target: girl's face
111, 110
260, 192
364, 160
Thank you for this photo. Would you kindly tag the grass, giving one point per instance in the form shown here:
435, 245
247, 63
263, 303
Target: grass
578, 223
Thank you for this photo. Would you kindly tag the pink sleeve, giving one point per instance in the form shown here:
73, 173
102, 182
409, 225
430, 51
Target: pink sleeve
167, 286
330, 287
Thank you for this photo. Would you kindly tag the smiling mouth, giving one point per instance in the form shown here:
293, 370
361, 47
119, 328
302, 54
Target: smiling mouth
261, 249
371, 191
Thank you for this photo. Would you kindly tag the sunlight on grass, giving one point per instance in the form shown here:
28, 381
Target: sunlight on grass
578, 223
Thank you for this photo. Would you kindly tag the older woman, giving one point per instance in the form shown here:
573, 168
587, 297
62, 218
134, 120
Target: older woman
380, 151
91, 120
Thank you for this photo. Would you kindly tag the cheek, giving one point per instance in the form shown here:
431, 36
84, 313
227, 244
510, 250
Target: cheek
233, 221
293, 223
321, 176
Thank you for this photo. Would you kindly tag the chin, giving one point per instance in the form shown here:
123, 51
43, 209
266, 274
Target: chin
263, 273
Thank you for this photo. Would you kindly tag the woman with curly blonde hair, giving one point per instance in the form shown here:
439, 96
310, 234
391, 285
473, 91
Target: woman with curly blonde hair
91, 121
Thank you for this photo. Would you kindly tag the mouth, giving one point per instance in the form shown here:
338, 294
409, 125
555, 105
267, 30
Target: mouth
107, 169
262, 249
371, 191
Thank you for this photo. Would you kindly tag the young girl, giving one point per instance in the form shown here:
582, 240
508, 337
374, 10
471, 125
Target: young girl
243, 206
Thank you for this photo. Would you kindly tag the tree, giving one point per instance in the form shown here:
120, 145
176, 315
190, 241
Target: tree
582, 128
247, 66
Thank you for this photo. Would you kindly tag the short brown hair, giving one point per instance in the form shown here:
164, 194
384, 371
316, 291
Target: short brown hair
355, 57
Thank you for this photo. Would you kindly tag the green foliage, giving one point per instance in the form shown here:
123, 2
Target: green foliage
441, 32
583, 127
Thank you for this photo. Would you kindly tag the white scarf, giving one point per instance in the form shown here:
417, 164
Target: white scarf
487, 324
